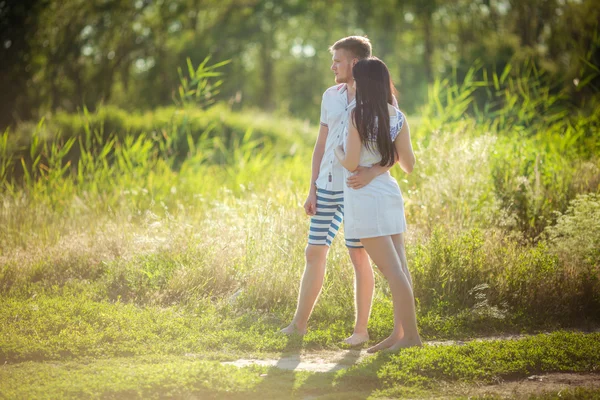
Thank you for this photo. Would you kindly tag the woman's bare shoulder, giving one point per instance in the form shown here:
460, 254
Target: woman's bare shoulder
392, 110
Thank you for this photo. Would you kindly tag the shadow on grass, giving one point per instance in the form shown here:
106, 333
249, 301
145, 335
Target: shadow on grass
279, 379
289, 378
326, 385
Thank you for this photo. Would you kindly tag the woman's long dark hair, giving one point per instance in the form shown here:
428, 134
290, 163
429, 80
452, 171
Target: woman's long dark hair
371, 115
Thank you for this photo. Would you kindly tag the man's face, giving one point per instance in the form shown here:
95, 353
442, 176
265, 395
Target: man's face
342, 65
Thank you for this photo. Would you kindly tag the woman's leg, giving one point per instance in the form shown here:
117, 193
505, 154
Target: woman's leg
405, 334
401, 251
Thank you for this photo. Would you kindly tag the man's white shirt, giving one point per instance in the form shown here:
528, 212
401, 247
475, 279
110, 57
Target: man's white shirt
335, 110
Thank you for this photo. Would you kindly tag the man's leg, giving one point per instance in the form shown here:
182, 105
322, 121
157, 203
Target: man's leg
324, 225
310, 287
364, 284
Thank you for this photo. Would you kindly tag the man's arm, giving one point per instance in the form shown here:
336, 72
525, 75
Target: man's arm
364, 175
310, 206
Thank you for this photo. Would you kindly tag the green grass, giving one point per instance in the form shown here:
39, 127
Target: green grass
72, 326
126, 238
489, 361
422, 371
147, 377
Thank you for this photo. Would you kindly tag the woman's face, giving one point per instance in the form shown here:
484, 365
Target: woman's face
341, 66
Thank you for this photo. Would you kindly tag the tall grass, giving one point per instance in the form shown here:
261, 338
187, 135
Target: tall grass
546, 149
186, 206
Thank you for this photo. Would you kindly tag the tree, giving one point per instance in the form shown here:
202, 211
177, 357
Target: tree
18, 22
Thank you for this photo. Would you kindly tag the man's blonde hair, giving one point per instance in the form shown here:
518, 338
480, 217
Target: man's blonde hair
358, 46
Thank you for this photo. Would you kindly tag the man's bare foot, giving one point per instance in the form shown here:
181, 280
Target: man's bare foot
356, 339
292, 329
404, 343
384, 344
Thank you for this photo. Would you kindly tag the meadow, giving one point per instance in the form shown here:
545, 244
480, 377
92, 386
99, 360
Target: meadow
139, 250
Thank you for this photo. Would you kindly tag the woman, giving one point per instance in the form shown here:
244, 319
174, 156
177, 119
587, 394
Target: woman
379, 134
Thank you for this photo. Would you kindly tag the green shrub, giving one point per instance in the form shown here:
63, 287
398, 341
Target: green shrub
451, 185
490, 361
576, 235
174, 135
545, 147
494, 277
575, 239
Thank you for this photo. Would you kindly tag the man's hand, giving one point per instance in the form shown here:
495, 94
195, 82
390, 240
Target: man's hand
310, 205
361, 178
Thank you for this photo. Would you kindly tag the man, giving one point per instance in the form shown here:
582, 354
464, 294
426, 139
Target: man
325, 198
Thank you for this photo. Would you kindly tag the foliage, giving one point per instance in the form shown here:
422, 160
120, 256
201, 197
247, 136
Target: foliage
576, 233
490, 361
197, 87
180, 206
171, 352
66, 55
180, 230
539, 148
174, 134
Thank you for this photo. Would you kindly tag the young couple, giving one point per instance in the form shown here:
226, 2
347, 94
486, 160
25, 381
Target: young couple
362, 135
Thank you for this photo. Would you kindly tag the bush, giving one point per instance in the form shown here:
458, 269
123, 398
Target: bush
575, 237
545, 146
175, 133
496, 278
451, 184
492, 361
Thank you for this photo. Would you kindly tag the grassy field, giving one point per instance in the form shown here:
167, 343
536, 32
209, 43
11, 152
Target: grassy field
431, 371
139, 251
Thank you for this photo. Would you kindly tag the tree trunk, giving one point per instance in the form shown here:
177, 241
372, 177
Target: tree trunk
267, 72
428, 42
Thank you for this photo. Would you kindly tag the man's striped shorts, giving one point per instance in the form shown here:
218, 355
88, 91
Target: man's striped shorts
326, 223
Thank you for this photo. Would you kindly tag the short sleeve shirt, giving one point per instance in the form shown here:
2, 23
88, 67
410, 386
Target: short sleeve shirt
335, 111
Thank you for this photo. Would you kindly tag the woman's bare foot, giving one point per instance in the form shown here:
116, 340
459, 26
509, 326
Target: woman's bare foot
404, 343
292, 329
384, 344
356, 339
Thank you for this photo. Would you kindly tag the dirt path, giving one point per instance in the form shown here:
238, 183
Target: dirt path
523, 388
330, 360
321, 361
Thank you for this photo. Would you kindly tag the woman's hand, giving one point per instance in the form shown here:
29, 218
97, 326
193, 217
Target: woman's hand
340, 153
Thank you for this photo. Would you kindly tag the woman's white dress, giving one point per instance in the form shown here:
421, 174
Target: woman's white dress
378, 208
